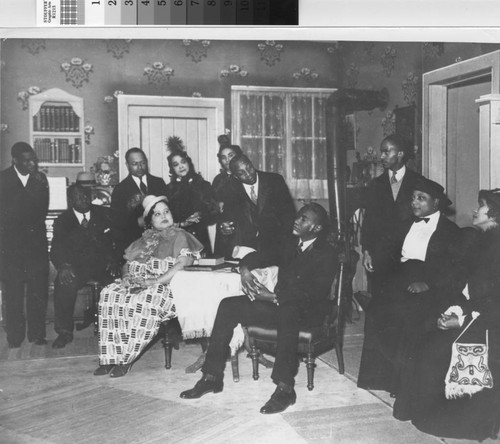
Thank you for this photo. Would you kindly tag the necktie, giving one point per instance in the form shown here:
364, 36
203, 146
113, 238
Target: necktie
253, 196
144, 188
393, 178
420, 219
299, 247
85, 222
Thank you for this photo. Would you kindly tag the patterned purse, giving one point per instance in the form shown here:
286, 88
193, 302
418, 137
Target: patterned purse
468, 372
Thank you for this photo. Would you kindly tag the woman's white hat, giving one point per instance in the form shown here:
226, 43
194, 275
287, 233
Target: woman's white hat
149, 201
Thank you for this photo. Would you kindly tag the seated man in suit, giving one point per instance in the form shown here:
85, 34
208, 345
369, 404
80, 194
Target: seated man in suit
126, 200
259, 211
82, 249
306, 272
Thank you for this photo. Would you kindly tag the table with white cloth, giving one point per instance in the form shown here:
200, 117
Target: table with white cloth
197, 295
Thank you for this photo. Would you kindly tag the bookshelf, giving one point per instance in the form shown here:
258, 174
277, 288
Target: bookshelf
57, 128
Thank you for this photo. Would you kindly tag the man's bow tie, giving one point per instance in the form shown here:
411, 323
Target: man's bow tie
420, 219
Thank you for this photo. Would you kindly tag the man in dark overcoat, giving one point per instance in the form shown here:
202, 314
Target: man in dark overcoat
24, 264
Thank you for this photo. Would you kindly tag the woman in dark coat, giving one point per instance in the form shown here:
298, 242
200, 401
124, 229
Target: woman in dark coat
423, 401
224, 193
420, 262
191, 199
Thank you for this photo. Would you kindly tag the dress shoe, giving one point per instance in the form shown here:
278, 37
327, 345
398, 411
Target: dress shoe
14, 345
202, 387
120, 370
103, 369
62, 340
279, 402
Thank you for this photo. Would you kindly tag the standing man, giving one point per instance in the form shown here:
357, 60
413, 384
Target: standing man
388, 205
24, 264
126, 200
260, 212
307, 267
82, 249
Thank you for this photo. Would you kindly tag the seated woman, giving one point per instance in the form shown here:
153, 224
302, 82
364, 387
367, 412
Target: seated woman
191, 199
223, 188
132, 308
419, 264
474, 416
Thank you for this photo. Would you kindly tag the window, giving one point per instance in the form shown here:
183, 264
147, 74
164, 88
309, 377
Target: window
283, 130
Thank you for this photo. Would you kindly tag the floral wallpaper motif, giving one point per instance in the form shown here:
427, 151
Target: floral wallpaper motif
335, 46
387, 60
306, 74
76, 71
158, 74
111, 99
233, 70
270, 52
368, 48
433, 50
196, 49
34, 46
410, 87
118, 48
23, 96
89, 131
389, 123
352, 74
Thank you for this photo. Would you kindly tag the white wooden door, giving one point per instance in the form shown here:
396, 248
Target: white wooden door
148, 121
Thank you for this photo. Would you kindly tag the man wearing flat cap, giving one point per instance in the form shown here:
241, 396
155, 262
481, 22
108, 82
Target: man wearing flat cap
24, 264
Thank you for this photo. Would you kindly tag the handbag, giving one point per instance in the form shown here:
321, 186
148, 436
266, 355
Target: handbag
468, 372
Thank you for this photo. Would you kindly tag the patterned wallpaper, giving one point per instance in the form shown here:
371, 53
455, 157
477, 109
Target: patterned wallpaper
100, 70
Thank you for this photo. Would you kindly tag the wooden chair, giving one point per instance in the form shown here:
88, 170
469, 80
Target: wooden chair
312, 341
90, 315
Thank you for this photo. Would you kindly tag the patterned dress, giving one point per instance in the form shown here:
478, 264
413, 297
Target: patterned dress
130, 312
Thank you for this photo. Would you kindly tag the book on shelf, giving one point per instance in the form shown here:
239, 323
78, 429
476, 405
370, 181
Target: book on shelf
211, 260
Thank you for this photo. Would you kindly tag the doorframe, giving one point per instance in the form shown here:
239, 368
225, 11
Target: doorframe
214, 106
434, 101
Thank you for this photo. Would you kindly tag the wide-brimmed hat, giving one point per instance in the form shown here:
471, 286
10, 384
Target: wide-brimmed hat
149, 201
492, 197
85, 179
433, 189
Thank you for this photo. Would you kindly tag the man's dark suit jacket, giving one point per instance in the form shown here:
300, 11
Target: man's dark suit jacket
263, 226
304, 279
23, 235
88, 250
126, 205
383, 214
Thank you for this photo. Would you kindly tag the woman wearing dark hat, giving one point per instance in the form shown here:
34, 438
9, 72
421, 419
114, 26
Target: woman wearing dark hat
420, 262
477, 414
132, 308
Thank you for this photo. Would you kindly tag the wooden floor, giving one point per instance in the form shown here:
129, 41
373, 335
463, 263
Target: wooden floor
49, 397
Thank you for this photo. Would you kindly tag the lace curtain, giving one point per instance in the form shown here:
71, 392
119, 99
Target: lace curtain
284, 132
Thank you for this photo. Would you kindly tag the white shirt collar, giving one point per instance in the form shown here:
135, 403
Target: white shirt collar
22, 177
305, 244
255, 186
144, 180
79, 216
399, 173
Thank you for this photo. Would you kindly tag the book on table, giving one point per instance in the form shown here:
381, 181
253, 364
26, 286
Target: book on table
211, 261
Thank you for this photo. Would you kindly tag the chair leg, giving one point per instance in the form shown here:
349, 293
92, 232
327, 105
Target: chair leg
254, 354
310, 371
340, 357
168, 343
235, 367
